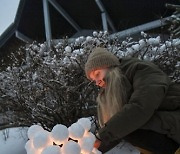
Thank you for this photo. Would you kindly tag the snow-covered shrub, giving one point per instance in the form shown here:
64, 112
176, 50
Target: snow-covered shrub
48, 86
174, 20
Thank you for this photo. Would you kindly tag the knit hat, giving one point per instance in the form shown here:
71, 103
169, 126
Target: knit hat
100, 58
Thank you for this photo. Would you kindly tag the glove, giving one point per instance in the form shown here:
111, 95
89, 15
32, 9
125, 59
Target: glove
97, 143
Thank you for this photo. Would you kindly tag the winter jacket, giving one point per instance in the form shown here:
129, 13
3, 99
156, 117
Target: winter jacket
153, 103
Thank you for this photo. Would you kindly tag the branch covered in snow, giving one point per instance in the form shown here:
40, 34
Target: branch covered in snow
174, 20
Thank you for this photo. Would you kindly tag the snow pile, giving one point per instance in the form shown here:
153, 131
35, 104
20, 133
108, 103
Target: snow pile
12, 140
76, 139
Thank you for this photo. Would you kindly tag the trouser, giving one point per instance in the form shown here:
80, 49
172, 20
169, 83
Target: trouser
152, 141
148, 140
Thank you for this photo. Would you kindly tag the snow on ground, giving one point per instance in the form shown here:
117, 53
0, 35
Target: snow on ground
123, 148
14, 144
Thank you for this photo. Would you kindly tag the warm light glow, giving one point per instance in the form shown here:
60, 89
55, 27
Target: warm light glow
85, 134
39, 151
44, 139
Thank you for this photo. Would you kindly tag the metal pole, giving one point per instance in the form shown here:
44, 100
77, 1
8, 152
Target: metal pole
104, 21
47, 23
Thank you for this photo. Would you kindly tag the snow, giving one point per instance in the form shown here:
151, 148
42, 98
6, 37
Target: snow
76, 139
68, 49
95, 151
86, 144
89, 38
33, 129
76, 131
42, 139
136, 47
124, 148
60, 134
85, 123
148, 48
71, 147
52, 150
15, 143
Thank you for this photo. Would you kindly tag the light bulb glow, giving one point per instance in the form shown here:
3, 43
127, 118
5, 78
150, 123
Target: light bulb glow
76, 139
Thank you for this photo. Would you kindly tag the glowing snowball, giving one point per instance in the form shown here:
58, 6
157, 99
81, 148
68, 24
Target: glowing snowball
29, 145
53, 149
33, 151
71, 147
33, 130
96, 151
85, 123
42, 139
86, 144
59, 134
90, 135
76, 131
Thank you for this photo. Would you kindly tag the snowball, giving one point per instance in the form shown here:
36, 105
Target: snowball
42, 139
76, 131
96, 151
52, 149
71, 147
85, 123
29, 145
90, 135
68, 49
32, 151
59, 133
33, 130
86, 144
